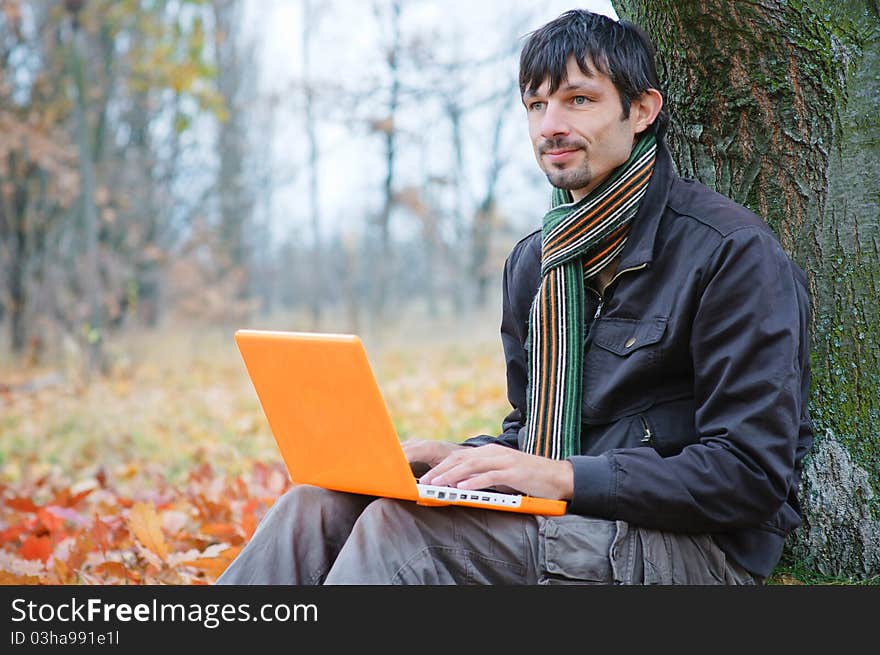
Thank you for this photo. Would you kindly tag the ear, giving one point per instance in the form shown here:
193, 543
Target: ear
644, 109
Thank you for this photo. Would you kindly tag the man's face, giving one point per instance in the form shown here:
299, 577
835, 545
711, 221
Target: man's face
578, 132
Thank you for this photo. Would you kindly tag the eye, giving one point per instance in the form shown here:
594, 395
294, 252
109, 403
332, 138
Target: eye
580, 100
536, 106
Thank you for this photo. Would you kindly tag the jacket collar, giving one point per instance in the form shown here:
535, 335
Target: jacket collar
639, 247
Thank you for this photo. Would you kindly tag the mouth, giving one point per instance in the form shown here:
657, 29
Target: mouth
559, 155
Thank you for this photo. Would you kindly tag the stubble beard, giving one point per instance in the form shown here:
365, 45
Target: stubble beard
565, 176
570, 178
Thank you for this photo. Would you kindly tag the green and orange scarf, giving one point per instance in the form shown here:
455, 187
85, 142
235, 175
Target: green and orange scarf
578, 239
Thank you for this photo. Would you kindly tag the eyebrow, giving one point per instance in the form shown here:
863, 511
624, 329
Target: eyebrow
567, 88
585, 86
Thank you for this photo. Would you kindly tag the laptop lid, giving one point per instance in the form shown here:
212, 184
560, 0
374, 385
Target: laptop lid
332, 426
326, 412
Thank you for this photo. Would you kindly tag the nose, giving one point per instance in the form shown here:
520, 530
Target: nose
553, 123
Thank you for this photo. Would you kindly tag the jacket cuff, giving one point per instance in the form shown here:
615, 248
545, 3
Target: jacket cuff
504, 439
593, 486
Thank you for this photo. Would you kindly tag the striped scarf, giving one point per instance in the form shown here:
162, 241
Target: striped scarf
577, 240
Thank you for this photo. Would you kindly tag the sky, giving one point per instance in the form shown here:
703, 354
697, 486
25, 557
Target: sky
345, 51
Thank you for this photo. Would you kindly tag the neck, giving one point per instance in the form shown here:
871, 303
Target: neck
577, 194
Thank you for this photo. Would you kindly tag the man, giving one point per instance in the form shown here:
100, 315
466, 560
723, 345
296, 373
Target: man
655, 335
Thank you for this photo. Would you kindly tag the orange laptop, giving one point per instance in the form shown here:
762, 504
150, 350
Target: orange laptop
332, 427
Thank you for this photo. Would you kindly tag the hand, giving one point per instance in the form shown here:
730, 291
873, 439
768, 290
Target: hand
498, 466
423, 454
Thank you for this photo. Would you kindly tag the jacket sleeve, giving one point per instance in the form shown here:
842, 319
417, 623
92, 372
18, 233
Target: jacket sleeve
746, 337
514, 323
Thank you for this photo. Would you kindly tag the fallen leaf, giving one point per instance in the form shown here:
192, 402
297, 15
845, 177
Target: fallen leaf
223, 531
52, 522
117, 569
36, 548
7, 578
146, 526
214, 566
22, 504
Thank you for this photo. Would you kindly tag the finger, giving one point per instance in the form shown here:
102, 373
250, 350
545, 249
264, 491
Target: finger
444, 466
485, 480
420, 450
458, 457
450, 473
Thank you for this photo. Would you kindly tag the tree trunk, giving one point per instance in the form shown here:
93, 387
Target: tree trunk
773, 104
385, 263
235, 204
91, 275
316, 286
17, 287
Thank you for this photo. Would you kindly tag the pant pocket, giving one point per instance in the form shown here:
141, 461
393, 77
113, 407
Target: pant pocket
575, 550
687, 559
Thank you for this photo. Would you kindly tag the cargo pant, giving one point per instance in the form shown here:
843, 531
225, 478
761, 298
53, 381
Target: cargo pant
314, 536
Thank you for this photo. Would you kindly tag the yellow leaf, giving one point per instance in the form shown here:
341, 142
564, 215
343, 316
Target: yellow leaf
7, 578
146, 526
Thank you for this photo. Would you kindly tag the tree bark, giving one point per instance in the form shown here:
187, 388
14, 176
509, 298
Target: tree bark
91, 274
773, 104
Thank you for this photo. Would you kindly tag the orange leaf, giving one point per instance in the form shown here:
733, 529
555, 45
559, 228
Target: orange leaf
222, 530
65, 574
71, 500
11, 534
101, 534
52, 522
146, 526
215, 565
36, 548
249, 525
22, 504
80, 551
117, 569
7, 578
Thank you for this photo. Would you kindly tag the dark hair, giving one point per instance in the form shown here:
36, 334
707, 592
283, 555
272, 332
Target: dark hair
618, 49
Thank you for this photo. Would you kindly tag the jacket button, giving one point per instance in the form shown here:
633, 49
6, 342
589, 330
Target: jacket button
630, 342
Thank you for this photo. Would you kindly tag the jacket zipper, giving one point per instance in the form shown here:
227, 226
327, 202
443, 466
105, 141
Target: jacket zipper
616, 275
626, 270
647, 438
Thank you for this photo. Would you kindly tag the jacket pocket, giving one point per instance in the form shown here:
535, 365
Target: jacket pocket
668, 427
624, 336
618, 361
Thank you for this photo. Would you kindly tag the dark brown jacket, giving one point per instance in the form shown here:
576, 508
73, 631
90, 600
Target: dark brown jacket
696, 374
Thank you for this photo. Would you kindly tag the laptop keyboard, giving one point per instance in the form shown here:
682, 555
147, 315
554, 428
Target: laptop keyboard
451, 494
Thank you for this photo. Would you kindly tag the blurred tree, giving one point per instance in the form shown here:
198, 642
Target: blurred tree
38, 175
136, 74
90, 279
386, 126
316, 289
235, 63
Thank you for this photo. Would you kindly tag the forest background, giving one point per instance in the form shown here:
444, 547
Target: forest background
173, 170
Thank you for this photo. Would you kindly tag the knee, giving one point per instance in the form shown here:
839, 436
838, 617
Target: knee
387, 512
311, 502
300, 493
296, 499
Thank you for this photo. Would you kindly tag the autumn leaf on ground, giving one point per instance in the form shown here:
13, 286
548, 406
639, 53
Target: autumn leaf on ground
22, 504
7, 578
146, 526
36, 548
